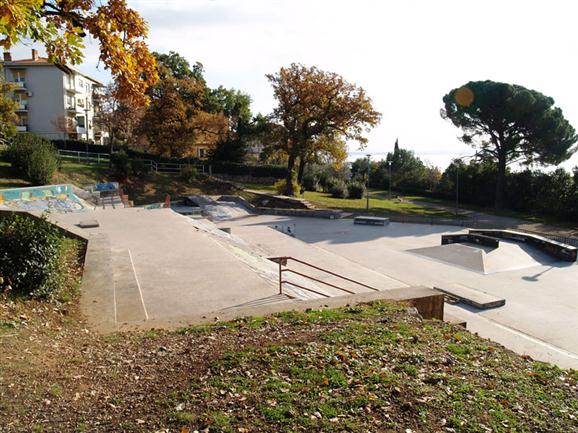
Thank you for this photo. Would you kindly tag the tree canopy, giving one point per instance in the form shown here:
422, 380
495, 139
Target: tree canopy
62, 25
315, 108
7, 114
508, 123
176, 120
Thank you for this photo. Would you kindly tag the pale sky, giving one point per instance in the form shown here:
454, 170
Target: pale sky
406, 54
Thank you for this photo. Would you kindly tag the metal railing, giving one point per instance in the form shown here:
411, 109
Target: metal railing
282, 261
84, 156
157, 167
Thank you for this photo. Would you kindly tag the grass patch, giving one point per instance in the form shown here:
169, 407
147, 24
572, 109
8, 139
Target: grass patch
377, 205
374, 367
81, 174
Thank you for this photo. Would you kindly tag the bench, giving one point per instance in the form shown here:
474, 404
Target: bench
370, 220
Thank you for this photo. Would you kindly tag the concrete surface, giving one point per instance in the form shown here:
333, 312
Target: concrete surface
541, 294
181, 271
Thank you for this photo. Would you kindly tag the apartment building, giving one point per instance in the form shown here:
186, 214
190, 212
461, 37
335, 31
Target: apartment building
54, 101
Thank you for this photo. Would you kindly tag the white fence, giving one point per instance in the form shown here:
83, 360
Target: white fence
84, 156
157, 167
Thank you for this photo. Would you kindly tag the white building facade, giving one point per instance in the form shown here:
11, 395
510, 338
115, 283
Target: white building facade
54, 101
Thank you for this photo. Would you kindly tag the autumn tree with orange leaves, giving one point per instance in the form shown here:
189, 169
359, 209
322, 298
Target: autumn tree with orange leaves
176, 121
317, 109
62, 26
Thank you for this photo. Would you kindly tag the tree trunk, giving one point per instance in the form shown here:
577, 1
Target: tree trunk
501, 181
301, 170
289, 176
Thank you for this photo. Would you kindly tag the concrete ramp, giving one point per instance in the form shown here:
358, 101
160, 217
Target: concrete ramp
508, 256
464, 256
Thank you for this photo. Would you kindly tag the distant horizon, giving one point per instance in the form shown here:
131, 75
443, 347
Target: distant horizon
406, 56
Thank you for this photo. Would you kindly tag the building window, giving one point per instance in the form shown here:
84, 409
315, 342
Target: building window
18, 76
80, 102
201, 152
80, 121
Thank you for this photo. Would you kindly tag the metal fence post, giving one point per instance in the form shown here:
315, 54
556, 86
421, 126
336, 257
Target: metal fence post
280, 279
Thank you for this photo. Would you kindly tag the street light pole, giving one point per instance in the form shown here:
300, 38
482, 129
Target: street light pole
389, 164
457, 187
367, 186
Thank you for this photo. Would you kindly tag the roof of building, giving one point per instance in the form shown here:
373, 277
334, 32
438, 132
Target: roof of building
44, 61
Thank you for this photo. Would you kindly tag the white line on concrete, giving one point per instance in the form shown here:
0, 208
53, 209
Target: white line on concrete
114, 301
138, 285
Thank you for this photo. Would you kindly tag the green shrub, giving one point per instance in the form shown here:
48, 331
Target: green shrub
121, 164
281, 187
237, 169
189, 173
34, 157
138, 167
29, 254
42, 165
356, 190
338, 189
310, 182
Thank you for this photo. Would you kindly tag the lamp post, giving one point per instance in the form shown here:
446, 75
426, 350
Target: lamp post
367, 186
389, 164
458, 186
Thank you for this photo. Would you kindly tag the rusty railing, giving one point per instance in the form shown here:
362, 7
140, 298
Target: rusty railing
282, 261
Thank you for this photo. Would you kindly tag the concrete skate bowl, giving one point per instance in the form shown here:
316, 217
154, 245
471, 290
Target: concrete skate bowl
48, 198
509, 256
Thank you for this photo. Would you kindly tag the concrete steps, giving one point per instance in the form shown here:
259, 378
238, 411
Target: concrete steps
129, 303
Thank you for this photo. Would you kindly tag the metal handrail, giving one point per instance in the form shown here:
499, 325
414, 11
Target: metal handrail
282, 261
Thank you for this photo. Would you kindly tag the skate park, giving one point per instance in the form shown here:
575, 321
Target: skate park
154, 267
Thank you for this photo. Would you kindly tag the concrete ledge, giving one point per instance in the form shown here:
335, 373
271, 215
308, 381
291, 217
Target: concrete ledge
307, 213
471, 238
428, 302
370, 220
556, 249
472, 297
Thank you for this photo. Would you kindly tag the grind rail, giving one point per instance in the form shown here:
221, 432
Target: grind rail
283, 261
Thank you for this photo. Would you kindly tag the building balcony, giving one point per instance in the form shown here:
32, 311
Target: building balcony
21, 128
71, 108
19, 85
21, 106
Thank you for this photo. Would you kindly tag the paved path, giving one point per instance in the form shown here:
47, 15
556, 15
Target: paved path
499, 220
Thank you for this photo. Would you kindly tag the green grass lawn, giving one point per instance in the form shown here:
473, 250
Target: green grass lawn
81, 174
377, 205
258, 187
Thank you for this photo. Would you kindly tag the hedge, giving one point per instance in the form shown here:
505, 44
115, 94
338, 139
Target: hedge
238, 169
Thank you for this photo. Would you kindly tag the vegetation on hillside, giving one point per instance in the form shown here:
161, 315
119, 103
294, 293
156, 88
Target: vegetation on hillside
367, 368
